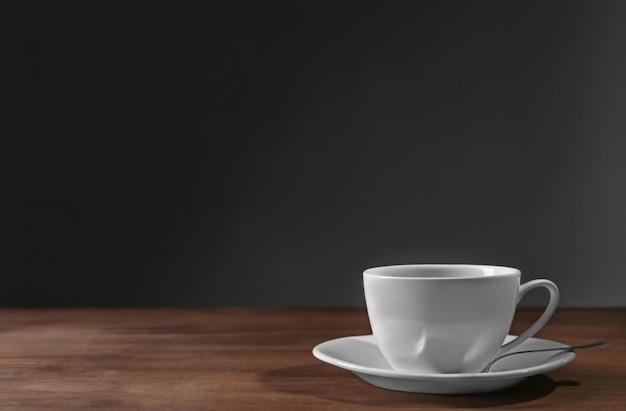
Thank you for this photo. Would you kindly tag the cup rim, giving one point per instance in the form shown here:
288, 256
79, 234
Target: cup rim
494, 271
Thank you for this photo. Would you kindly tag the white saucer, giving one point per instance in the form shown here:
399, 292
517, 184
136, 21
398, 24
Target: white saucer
360, 354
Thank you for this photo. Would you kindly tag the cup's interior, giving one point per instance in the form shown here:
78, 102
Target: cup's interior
440, 271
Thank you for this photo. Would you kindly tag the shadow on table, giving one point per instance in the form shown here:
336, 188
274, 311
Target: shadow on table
328, 383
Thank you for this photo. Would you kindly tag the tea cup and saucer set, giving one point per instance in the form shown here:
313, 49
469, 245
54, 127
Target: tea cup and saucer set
444, 329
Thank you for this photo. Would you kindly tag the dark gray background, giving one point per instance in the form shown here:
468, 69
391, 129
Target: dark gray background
265, 153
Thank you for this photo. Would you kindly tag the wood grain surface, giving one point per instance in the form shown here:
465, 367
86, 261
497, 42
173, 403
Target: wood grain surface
260, 359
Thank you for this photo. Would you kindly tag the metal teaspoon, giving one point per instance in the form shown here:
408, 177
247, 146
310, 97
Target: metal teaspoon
566, 348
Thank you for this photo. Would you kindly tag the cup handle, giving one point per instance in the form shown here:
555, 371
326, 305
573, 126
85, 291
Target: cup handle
545, 317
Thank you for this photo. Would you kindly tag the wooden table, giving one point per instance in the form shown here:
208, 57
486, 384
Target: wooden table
260, 359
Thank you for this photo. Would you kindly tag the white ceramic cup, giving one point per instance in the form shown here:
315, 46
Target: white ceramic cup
447, 318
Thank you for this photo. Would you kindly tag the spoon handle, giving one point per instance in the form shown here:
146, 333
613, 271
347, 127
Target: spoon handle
567, 348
